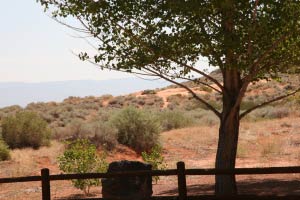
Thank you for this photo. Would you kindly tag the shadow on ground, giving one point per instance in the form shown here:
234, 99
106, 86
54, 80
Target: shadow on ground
249, 187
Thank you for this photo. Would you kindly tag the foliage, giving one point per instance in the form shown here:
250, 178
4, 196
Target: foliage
4, 151
174, 119
246, 40
81, 157
100, 133
156, 159
137, 128
105, 135
269, 112
25, 129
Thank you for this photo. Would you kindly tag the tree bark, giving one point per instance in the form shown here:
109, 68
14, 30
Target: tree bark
229, 121
228, 133
226, 154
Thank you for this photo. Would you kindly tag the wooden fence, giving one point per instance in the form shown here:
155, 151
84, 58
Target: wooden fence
180, 172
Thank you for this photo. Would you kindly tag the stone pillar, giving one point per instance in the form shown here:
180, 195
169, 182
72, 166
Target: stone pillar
133, 188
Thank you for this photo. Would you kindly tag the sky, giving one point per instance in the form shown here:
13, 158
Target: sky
35, 48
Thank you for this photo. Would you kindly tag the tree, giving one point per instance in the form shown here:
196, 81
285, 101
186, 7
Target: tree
156, 159
81, 157
247, 40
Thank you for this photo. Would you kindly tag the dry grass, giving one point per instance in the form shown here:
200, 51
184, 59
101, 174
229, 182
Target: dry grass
262, 144
28, 161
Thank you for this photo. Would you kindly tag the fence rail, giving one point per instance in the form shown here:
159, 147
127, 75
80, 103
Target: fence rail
180, 172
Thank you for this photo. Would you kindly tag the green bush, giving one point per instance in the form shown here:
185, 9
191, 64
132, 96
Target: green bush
102, 134
4, 151
81, 157
156, 159
25, 129
105, 135
137, 128
174, 119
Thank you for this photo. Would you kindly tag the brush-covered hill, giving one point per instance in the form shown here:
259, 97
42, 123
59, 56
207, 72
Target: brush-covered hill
93, 108
268, 136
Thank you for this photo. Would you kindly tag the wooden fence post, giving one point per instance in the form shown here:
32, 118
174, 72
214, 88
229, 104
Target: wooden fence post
46, 195
182, 191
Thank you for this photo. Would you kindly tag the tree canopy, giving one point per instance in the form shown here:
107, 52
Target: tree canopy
247, 40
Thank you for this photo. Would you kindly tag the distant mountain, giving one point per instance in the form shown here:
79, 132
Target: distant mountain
18, 93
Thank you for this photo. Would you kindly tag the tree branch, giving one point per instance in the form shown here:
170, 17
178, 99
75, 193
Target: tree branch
249, 49
202, 83
189, 90
167, 57
118, 70
268, 102
253, 69
201, 73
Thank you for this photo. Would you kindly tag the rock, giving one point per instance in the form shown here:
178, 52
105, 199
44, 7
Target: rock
134, 188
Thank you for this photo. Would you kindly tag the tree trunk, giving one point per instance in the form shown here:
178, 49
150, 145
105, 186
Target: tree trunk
226, 153
228, 133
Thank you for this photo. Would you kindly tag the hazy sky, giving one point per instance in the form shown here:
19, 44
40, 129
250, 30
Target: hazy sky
35, 48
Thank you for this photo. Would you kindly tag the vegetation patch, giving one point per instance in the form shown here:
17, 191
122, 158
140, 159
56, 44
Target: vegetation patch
25, 129
137, 128
156, 159
81, 157
4, 151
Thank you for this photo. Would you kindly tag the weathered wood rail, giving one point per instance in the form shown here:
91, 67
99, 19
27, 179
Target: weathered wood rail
180, 172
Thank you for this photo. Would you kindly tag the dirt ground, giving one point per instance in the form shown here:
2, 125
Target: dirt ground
262, 144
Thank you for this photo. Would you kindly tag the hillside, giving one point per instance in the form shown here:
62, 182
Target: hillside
268, 137
91, 108
19, 93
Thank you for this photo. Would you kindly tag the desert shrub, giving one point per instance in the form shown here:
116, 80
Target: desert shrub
192, 104
247, 104
105, 135
25, 129
137, 128
81, 156
150, 101
4, 151
278, 112
145, 92
203, 117
174, 119
268, 112
10, 110
174, 101
156, 159
141, 101
73, 131
101, 134
117, 102
207, 89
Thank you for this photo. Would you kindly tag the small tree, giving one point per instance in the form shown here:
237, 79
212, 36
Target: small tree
81, 157
4, 151
156, 159
25, 129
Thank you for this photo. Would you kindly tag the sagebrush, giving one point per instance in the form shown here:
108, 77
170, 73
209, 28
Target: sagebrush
25, 129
